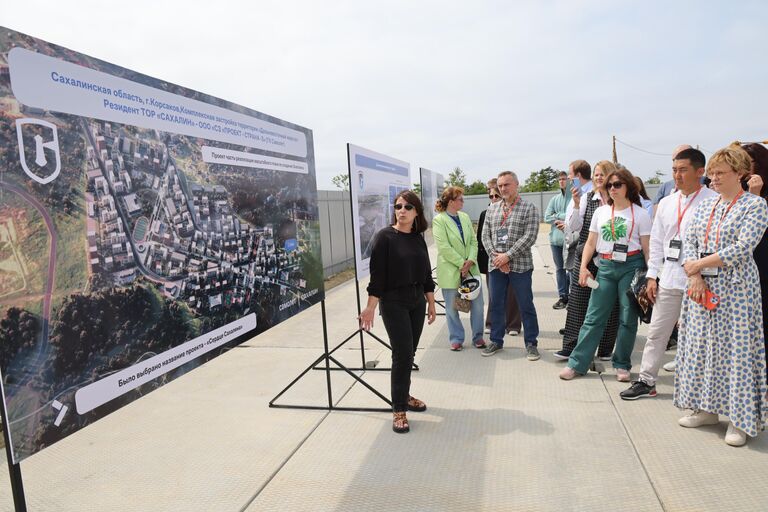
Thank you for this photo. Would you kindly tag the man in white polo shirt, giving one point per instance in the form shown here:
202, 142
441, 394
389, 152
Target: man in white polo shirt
667, 235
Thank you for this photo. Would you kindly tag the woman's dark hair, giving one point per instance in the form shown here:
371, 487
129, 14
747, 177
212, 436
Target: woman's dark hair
759, 155
633, 194
420, 222
641, 188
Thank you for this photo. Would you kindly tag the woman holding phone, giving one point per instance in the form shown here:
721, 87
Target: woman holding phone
720, 354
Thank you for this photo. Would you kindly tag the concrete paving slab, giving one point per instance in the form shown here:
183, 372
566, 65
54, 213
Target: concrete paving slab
500, 437
692, 469
501, 433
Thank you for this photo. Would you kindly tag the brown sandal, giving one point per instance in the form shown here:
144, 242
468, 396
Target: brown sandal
400, 423
416, 405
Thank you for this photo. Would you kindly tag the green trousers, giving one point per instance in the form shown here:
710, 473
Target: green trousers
614, 278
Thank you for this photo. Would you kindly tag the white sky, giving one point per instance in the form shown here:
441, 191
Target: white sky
481, 85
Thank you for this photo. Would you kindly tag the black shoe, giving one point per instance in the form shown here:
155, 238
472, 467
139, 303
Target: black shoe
638, 389
562, 355
560, 304
562, 331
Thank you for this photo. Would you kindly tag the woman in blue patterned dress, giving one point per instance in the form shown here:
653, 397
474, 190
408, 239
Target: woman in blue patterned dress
721, 352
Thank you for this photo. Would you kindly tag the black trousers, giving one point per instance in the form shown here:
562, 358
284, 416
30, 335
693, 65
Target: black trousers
403, 311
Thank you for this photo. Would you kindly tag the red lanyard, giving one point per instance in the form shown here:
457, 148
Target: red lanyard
720, 223
510, 210
629, 238
681, 216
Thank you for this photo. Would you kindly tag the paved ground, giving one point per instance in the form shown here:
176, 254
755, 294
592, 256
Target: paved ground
501, 434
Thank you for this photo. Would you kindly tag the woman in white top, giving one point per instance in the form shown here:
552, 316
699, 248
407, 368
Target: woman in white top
619, 239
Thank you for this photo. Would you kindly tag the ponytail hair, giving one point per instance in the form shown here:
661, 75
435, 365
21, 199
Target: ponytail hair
449, 194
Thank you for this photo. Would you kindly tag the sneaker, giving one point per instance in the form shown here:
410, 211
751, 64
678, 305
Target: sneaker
561, 332
638, 389
513, 332
622, 375
479, 343
562, 355
491, 349
487, 330
560, 304
698, 419
568, 373
456, 347
605, 358
670, 366
532, 353
735, 436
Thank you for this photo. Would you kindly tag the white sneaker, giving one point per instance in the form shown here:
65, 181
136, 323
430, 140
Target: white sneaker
735, 437
670, 366
623, 375
513, 332
698, 419
487, 330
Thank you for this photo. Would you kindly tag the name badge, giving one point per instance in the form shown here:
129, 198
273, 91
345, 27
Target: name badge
673, 251
708, 271
619, 252
502, 234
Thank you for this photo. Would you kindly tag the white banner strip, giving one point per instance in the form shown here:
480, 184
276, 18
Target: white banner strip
52, 84
213, 155
102, 391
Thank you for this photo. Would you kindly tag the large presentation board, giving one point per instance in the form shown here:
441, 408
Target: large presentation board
432, 186
145, 228
374, 181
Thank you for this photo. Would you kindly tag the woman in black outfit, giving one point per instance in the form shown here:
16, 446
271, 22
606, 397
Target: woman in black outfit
757, 184
401, 281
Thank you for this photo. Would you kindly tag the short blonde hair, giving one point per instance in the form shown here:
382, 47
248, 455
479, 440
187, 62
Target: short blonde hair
734, 157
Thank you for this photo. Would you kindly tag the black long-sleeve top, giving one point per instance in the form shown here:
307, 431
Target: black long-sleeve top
399, 260
482, 256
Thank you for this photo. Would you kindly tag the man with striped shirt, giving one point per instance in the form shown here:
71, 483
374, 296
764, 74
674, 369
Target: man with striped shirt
509, 232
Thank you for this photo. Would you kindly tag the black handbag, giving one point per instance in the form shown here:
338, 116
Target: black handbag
637, 295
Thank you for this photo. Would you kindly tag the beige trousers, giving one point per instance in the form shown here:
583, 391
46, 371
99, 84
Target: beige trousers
666, 312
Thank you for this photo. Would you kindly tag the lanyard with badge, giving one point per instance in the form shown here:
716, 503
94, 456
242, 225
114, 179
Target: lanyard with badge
619, 252
714, 271
675, 244
502, 234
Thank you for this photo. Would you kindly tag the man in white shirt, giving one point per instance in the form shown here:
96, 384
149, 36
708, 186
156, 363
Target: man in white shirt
580, 174
667, 235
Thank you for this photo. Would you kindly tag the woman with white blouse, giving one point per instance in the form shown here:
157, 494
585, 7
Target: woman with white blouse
619, 237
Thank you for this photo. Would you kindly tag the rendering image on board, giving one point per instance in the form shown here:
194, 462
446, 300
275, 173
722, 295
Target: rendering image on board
145, 228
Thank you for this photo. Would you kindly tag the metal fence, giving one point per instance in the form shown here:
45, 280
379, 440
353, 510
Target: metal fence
336, 222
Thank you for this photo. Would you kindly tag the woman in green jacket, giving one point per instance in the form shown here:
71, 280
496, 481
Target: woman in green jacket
456, 259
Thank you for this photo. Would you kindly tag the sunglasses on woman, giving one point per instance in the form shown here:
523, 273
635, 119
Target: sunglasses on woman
614, 184
408, 207
494, 196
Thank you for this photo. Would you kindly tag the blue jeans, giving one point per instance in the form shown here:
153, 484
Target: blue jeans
523, 288
455, 327
563, 281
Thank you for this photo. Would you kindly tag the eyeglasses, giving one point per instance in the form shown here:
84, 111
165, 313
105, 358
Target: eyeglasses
494, 196
614, 184
399, 206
